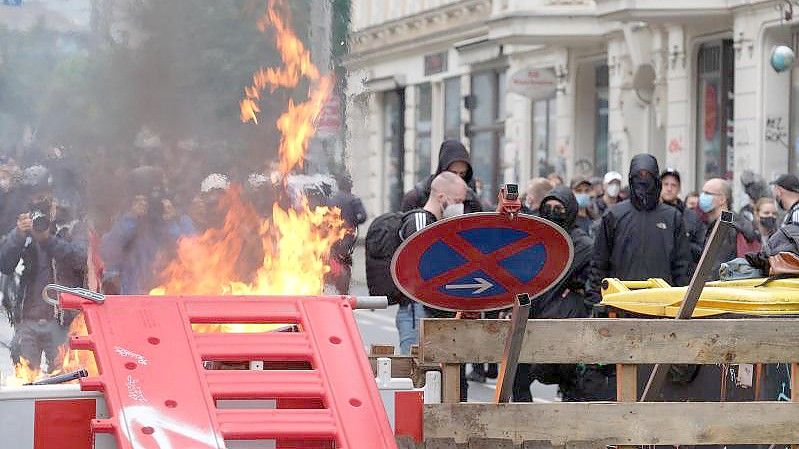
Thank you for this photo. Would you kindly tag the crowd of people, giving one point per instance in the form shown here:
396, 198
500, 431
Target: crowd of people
48, 234
639, 228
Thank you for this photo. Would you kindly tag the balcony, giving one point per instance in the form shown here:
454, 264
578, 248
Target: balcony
661, 10
540, 22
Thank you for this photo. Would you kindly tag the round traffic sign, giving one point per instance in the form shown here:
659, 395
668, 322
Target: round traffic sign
480, 262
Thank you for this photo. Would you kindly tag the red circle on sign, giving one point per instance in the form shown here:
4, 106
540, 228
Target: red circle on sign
480, 262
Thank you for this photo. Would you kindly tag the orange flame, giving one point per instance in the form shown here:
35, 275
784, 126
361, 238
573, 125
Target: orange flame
295, 245
297, 123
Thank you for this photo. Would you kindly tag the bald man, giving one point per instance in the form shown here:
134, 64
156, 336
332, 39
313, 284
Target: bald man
448, 192
715, 198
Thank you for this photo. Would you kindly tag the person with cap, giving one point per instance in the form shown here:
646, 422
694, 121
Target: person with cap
142, 241
786, 193
354, 214
454, 158
612, 188
716, 197
536, 189
641, 238
581, 187
48, 255
694, 226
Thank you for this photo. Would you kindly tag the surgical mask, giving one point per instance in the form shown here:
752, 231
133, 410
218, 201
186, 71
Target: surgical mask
769, 223
452, 210
706, 202
583, 200
613, 190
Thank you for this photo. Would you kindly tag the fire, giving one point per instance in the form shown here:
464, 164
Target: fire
296, 242
297, 123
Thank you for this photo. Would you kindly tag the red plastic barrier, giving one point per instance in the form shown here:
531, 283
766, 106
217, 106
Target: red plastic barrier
160, 396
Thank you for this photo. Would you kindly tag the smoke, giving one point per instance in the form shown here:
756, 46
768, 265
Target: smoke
142, 82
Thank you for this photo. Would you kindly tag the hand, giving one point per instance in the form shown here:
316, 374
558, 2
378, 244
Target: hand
139, 207
24, 224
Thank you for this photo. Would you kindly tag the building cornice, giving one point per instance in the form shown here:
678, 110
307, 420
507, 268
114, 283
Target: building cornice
404, 30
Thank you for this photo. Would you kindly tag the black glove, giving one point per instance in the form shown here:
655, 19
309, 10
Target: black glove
758, 260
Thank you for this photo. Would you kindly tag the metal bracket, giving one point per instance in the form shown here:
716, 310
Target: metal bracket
513, 346
80, 292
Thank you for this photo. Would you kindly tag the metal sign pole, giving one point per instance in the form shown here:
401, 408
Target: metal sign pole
513, 346
723, 226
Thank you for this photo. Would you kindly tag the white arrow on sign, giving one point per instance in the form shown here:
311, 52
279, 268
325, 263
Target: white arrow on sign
481, 286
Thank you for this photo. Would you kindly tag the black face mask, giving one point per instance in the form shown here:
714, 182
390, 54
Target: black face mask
644, 192
557, 216
770, 223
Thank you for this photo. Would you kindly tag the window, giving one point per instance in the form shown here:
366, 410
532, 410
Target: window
486, 131
714, 110
544, 131
424, 112
393, 147
601, 121
452, 108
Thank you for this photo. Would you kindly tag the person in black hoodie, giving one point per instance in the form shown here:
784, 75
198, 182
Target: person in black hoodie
641, 238
566, 300
452, 157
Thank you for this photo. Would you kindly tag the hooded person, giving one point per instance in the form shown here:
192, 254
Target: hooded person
641, 238
568, 299
452, 157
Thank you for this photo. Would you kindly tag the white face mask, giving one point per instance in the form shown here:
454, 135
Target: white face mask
452, 210
613, 190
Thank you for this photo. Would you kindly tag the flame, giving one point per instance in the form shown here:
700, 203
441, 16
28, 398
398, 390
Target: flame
297, 123
296, 242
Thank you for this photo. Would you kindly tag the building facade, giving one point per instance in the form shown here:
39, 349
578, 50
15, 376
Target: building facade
568, 86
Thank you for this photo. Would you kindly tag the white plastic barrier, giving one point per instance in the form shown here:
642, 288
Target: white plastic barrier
388, 386
52, 416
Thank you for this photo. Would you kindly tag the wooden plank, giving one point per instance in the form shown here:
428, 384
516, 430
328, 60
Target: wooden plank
600, 424
401, 365
381, 350
631, 341
451, 383
490, 443
626, 387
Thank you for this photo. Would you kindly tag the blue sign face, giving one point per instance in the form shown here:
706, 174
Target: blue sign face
478, 265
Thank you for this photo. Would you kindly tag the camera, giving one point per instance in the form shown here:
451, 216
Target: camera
512, 192
41, 220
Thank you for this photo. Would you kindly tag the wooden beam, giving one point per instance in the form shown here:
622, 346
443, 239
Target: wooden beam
601, 424
451, 382
629, 341
626, 387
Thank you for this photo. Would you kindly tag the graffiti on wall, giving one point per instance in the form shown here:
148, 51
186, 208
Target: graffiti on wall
776, 131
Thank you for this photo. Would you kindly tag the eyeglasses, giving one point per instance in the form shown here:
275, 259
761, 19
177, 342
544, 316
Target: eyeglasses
711, 193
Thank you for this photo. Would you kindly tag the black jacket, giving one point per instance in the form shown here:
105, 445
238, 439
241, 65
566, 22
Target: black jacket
639, 238
567, 299
62, 259
694, 227
450, 151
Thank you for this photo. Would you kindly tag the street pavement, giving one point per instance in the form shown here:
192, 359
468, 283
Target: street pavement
376, 326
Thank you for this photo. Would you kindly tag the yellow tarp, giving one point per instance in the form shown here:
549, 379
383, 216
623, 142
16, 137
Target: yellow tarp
655, 298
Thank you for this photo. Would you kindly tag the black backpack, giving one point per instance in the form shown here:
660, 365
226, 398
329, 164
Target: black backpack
382, 241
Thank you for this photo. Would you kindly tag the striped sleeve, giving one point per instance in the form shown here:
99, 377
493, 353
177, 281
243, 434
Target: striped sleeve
795, 216
413, 223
